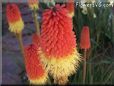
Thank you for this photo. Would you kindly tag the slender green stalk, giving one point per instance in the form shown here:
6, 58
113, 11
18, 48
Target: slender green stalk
113, 28
84, 67
36, 22
19, 37
90, 74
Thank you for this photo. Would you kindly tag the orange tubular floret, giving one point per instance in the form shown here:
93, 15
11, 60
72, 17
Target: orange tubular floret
57, 37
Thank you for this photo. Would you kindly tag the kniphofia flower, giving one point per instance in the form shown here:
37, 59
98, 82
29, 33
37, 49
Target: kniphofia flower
70, 7
58, 44
34, 67
33, 4
14, 18
85, 38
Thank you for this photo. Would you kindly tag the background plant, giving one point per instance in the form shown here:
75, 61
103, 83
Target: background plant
100, 62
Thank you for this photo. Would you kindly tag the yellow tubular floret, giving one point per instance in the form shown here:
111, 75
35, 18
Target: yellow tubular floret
40, 80
16, 27
34, 6
63, 67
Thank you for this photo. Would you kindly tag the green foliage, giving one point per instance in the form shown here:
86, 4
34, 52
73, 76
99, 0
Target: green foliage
100, 65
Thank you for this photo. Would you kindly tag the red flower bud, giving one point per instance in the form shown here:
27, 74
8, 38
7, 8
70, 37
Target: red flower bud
85, 38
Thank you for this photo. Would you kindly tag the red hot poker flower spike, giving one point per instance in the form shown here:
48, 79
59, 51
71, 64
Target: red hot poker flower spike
85, 38
58, 44
34, 67
15, 22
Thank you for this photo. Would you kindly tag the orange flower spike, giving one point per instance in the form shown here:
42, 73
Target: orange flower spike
15, 21
58, 44
85, 44
34, 68
70, 8
85, 38
33, 4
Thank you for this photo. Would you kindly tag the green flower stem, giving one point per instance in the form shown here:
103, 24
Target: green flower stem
36, 22
84, 67
19, 37
113, 28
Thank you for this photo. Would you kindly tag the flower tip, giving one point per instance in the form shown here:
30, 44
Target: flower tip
85, 38
33, 4
70, 8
